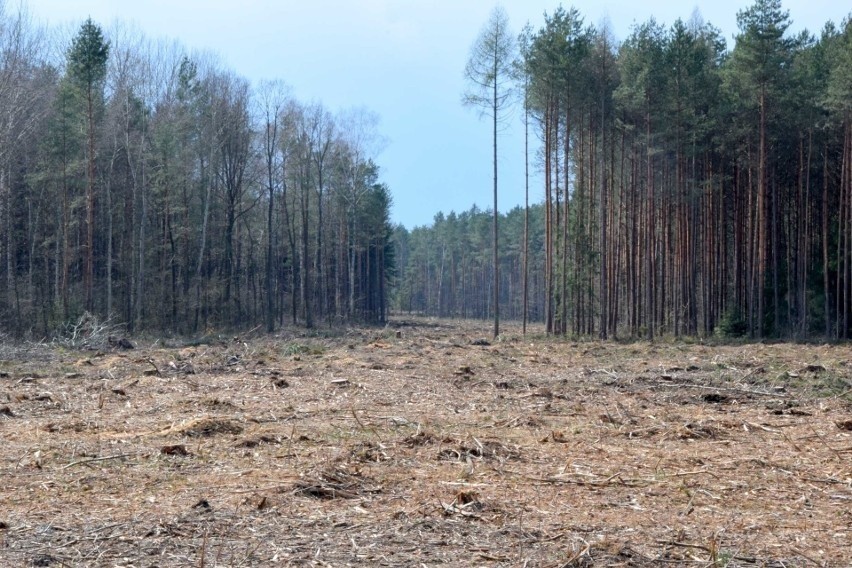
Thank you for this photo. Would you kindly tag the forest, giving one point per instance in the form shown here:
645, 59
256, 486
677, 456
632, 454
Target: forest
154, 189
689, 189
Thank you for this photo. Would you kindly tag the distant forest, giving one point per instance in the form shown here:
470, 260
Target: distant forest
689, 189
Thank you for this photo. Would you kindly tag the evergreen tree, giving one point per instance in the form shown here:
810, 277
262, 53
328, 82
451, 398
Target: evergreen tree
87, 62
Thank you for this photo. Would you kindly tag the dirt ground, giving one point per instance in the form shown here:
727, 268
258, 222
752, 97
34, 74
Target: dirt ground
424, 444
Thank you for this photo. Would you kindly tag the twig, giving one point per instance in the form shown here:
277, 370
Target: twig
824, 442
358, 420
683, 545
551, 538
290, 441
610, 373
629, 482
203, 551
805, 556
576, 557
694, 472
762, 427
363, 427
790, 441
843, 394
708, 550
728, 389
90, 460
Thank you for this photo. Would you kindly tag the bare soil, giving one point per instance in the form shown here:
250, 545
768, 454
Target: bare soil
425, 444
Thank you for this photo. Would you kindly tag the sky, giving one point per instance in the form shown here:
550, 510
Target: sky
402, 59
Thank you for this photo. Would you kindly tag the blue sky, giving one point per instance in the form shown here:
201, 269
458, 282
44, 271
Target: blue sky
404, 60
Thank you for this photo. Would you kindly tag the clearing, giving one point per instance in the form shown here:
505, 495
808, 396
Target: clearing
423, 444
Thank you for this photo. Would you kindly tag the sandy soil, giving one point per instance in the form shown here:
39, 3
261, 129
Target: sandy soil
424, 444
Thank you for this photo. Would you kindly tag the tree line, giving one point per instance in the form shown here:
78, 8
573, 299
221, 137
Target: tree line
154, 188
688, 188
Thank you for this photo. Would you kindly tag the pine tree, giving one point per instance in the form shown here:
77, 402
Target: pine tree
87, 61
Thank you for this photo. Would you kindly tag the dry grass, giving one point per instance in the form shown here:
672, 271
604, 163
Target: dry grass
420, 446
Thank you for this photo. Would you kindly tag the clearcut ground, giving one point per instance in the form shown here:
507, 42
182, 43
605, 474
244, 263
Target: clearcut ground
426, 444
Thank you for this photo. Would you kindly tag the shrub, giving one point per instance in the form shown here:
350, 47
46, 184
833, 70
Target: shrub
732, 324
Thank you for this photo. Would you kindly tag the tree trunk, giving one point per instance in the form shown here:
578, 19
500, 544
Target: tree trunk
526, 214
496, 214
88, 279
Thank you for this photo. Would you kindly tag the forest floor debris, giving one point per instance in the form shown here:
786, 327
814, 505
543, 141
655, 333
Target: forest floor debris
419, 444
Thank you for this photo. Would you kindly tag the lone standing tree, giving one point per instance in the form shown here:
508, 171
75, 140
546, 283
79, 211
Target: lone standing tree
489, 76
87, 64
